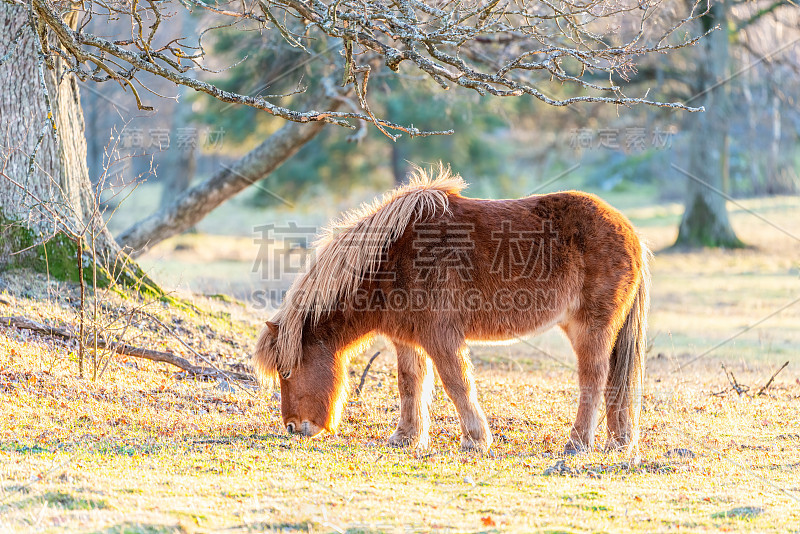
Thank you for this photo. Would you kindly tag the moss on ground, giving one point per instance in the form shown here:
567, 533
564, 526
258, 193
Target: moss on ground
57, 257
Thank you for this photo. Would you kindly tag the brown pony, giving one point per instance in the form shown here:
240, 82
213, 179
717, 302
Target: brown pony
430, 269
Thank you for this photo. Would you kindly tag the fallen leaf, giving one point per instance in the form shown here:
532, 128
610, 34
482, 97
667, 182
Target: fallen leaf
488, 521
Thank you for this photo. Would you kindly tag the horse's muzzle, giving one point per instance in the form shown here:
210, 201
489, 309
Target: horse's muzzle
306, 428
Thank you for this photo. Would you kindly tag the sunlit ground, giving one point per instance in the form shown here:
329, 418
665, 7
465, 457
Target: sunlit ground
141, 451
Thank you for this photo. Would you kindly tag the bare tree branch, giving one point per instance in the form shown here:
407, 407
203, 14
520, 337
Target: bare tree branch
196, 202
489, 46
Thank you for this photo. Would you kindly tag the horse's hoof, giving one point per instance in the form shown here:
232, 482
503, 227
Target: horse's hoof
475, 445
617, 445
572, 449
401, 441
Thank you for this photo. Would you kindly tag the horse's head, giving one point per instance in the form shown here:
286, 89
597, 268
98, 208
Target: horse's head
312, 389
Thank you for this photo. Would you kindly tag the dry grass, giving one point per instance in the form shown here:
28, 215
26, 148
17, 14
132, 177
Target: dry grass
140, 451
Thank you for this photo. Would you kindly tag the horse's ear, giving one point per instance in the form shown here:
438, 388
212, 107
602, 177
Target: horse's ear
273, 328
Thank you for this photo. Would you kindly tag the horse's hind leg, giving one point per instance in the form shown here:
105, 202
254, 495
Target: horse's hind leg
592, 348
415, 382
620, 427
455, 370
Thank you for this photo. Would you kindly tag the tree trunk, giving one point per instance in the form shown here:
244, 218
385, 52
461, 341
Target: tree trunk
181, 158
46, 198
752, 132
178, 174
705, 220
94, 144
778, 176
399, 170
198, 201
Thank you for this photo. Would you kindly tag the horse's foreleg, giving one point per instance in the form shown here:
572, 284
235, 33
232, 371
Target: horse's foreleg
592, 352
455, 371
415, 382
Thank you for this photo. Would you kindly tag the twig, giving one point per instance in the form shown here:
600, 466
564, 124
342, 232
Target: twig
216, 370
736, 386
81, 337
124, 348
364, 374
769, 382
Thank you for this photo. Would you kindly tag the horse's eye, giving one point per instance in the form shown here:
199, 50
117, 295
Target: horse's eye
286, 375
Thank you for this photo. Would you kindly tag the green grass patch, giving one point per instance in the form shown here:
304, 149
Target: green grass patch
70, 501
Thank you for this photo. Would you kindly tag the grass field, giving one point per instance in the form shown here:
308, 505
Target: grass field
141, 450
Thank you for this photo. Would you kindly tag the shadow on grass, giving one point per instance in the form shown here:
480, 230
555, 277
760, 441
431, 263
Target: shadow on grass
235, 440
740, 512
561, 468
140, 528
314, 526
63, 500
21, 448
131, 448
123, 448
278, 526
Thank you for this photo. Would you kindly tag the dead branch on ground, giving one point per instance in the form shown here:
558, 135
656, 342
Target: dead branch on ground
123, 348
744, 389
364, 375
769, 382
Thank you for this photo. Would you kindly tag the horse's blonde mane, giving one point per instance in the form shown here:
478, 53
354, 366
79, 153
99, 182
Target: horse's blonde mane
352, 247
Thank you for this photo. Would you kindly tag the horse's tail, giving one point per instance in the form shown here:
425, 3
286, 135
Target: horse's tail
626, 376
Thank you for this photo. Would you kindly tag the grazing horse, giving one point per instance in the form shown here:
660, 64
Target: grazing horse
430, 270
